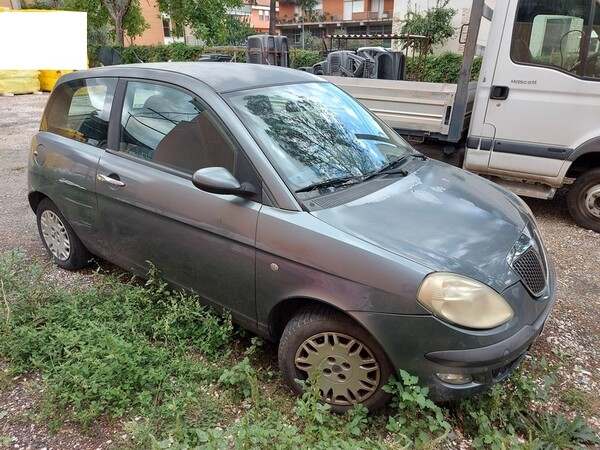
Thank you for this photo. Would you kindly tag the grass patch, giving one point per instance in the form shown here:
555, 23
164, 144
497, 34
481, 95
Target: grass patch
181, 377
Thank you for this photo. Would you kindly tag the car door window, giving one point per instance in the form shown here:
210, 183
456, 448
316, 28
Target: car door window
80, 110
172, 128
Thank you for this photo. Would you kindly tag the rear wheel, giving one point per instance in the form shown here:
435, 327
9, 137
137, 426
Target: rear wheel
67, 251
351, 367
583, 200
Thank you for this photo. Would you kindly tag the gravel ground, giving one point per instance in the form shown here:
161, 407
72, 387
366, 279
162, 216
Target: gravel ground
571, 337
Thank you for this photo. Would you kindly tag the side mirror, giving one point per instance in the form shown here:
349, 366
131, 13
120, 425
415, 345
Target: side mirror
219, 180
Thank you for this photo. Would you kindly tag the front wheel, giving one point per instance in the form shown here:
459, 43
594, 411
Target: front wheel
67, 251
351, 366
583, 200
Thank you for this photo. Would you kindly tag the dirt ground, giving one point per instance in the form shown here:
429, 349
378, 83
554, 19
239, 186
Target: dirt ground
573, 330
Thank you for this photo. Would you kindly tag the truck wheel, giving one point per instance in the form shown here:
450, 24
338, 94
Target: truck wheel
583, 200
352, 366
67, 251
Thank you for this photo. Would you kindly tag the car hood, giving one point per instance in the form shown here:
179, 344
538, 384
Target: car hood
441, 217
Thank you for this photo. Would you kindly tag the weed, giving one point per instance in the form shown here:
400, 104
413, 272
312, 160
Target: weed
576, 398
111, 348
499, 418
558, 432
123, 349
418, 420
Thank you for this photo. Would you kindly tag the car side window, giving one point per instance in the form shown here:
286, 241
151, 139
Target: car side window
80, 110
172, 128
560, 35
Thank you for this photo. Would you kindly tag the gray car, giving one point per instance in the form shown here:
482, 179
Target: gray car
273, 194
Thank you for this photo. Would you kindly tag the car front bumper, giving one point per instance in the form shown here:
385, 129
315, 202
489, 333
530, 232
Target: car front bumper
435, 351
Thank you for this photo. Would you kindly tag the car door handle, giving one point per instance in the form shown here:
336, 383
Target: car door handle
499, 93
110, 180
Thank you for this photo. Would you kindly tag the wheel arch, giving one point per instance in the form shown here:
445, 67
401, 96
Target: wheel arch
285, 310
282, 312
584, 158
34, 199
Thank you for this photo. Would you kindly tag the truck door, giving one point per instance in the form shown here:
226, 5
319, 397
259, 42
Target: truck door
538, 100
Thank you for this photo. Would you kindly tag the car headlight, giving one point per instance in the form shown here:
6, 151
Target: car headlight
463, 301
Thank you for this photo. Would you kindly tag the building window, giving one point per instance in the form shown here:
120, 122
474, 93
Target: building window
166, 27
263, 15
358, 6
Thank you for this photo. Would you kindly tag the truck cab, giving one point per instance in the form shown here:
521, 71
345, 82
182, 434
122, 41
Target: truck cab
534, 126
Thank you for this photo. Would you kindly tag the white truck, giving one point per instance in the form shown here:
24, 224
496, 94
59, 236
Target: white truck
533, 122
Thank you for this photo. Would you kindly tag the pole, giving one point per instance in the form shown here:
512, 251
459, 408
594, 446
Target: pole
272, 12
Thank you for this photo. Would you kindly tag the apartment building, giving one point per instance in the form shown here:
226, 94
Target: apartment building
255, 12
356, 17
10, 4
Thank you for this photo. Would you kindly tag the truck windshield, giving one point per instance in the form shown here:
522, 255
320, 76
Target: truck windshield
314, 133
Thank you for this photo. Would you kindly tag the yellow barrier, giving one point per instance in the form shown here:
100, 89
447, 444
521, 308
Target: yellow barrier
19, 81
48, 78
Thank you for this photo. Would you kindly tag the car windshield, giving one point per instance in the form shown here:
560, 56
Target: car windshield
315, 134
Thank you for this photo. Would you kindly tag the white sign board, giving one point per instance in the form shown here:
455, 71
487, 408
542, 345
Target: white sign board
43, 40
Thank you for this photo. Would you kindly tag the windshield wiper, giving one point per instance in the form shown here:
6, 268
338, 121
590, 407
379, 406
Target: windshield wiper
332, 182
374, 137
392, 168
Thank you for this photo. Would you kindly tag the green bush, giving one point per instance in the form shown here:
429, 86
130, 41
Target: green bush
176, 51
442, 68
304, 58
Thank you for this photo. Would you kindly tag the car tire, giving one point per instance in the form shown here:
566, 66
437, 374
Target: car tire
66, 249
583, 200
354, 367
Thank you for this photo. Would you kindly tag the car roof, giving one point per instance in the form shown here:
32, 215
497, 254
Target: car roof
221, 76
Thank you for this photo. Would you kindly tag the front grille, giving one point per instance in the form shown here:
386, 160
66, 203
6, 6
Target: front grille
530, 267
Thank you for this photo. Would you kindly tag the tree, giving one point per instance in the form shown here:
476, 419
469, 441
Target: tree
117, 9
435, 22
308, 6
237, 32
127, 17
208, 19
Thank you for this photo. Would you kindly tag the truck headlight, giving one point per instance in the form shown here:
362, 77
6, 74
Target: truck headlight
463, 301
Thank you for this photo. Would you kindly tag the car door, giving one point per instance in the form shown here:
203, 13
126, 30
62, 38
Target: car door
72, 137
542, 103
151, 212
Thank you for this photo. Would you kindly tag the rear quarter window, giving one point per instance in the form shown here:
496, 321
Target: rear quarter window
80, 110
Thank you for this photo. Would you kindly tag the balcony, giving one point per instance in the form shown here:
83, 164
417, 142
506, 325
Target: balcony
372, 15
243, 11
319, 17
